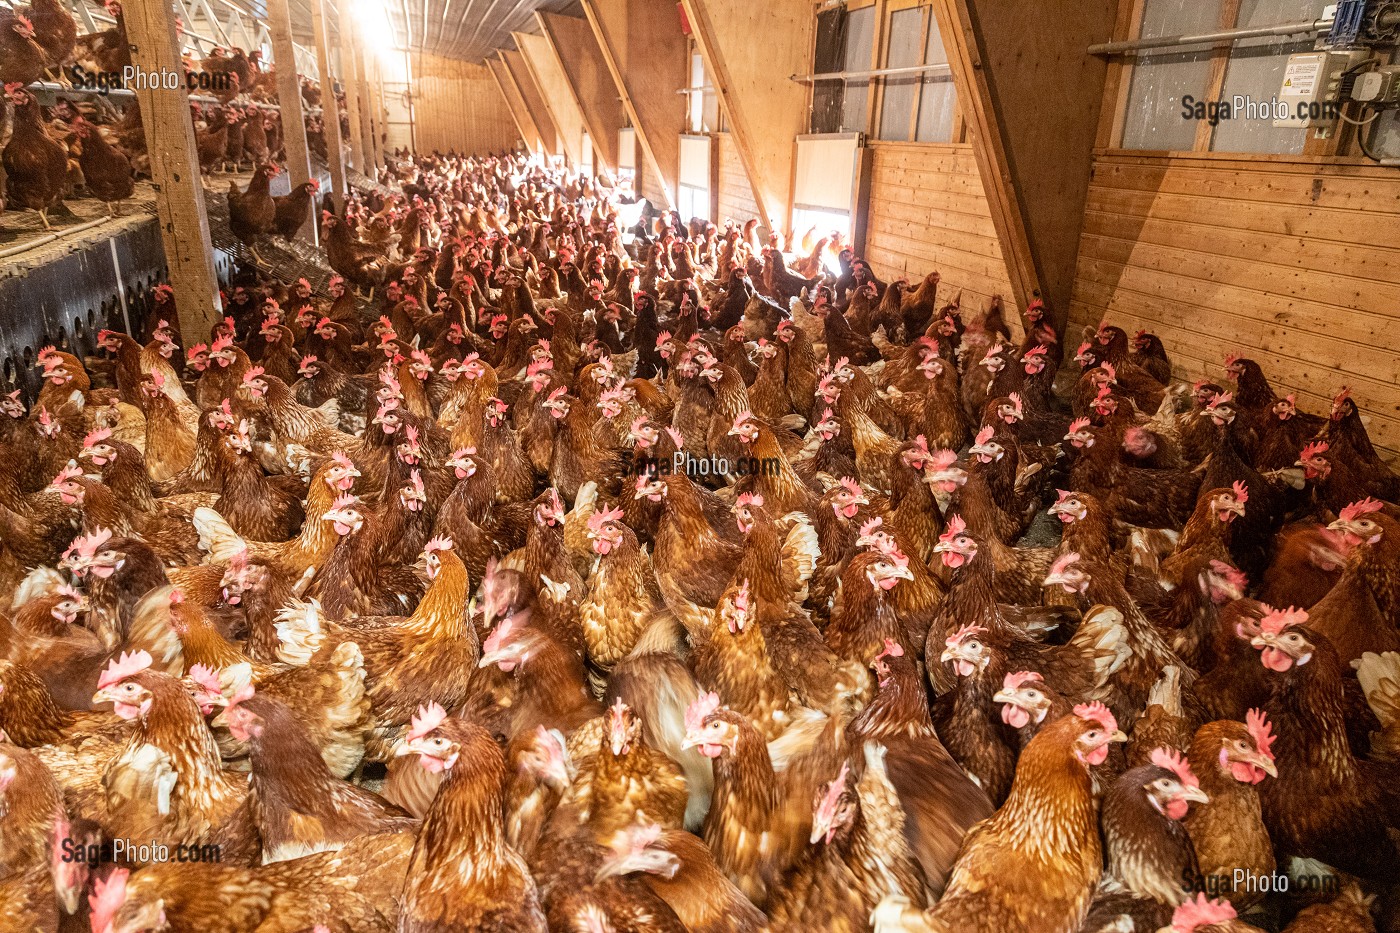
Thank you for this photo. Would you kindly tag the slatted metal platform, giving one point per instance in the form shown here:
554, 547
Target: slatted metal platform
63, 291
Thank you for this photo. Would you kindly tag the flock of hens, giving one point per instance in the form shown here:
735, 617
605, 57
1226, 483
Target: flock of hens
611, 580
94, 149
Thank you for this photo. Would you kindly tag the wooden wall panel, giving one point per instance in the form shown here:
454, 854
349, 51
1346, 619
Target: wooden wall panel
523, 119
646, 51
1292, 263
928, 211
534, 102
553, 85
750, 49
457, 105
736, 200
590, 82
649, 185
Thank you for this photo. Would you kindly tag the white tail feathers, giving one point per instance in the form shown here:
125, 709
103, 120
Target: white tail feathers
1380, 680
300, 632
40, 581
1166, 692
800, 554
216, 536
1103, 638
151, 630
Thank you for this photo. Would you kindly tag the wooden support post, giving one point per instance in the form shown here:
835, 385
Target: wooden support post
165, 114
289, 96
524, 121
381, 114
1034, 149
347, 83
330, 109
367, 117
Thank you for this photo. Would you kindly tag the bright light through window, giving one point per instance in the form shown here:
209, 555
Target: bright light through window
819, 223
375, 28
694, 203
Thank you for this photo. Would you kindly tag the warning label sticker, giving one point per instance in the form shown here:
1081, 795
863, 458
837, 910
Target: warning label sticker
1301, 77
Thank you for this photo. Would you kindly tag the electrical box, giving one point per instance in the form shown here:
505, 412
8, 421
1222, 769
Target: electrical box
1379, 88
1313, 90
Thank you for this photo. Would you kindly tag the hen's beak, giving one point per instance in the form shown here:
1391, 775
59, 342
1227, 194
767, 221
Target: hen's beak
1344, 526
494, 657
902, 573
949, 654
102, 696
612, 867
1118, 736
1004, 696
1260, 761
942, 547
1194, 794
415, 747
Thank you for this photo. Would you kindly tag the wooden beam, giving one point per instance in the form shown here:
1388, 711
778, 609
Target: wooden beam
330, 107
1215, 80
1032, 98
289, 98
361, 85
1120, 76
376, 96
590, 81
645, 50
347, 83
750, 50
518, 111
165, 114
549, 77
989, 147
519, 73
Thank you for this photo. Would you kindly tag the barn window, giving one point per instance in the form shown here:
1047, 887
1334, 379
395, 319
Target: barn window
702, 111
845, 43
1162, 79
917, 106
693, 197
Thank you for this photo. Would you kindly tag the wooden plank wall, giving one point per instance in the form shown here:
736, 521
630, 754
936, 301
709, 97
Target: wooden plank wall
648, 184
1293, 263
457, 105
928, 211
736, 200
